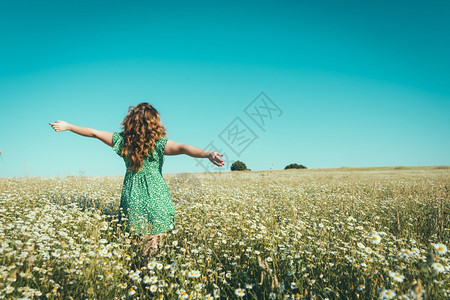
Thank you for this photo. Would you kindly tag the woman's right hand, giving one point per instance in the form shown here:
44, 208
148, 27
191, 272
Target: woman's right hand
214, 157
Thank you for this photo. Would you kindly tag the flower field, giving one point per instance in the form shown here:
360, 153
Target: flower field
291, 234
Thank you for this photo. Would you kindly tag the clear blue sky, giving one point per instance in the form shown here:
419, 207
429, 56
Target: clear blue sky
359, 83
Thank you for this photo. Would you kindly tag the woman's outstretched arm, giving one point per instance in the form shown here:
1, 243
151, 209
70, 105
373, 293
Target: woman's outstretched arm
104, 136
174, 148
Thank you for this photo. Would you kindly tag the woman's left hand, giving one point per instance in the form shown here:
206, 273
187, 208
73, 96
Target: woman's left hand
60, 126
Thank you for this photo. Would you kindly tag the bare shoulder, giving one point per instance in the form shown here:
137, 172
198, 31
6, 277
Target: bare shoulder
104, 136
172, 148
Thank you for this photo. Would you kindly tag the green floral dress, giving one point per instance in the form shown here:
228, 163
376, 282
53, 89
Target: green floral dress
145, 201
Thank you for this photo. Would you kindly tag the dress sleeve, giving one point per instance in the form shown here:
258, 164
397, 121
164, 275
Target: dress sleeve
163, 144
117, 143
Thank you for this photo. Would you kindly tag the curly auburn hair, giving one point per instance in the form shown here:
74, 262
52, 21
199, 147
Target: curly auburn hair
142, 127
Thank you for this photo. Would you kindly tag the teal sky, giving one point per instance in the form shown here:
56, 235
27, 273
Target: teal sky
358, 83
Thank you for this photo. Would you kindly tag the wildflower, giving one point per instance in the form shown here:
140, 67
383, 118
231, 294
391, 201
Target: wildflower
104, 252
208, 297
146, 279
438, 267
134, 275
293, 285
123, 285
103, 241
194, 274
151, 265
239, 292
387, 294
440, 248
406, 253
216, 293
249, 286
153, 279
9, 289
181, 291
131, 292
361, 245
376, 238
153, 288
396, 276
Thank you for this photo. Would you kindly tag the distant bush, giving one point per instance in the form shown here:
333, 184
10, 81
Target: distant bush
238, 166
295, 166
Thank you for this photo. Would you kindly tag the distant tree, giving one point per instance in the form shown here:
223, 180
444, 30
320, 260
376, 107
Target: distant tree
238, 166
295, 166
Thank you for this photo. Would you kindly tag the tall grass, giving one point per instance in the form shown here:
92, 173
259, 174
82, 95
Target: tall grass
294, 234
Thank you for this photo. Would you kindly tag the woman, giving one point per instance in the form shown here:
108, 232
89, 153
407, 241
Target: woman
145, 199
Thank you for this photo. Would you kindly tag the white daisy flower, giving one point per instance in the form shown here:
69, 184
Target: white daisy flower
376, 238
239, 292
216, 293
396, 276
387, 294
438, 267
153, 279
194, 274
406, 253
440, 248
151, 265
